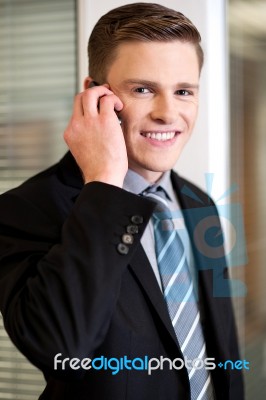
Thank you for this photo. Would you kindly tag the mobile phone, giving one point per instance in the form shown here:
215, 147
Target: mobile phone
92, 84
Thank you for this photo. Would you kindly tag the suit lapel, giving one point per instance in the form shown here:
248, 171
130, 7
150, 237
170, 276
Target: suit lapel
143, 272
213, 315
213, 309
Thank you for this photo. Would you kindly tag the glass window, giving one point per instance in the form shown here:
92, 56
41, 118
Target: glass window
37, 85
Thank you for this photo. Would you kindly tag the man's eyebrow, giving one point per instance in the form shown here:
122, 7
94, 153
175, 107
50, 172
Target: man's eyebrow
139, 82
188, 85
145, 82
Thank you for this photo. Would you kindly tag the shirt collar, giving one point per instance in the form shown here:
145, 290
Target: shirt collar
136, 184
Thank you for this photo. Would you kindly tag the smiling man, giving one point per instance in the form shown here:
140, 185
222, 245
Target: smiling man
107, 304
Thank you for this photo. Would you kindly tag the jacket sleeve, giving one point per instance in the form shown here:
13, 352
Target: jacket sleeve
59, 287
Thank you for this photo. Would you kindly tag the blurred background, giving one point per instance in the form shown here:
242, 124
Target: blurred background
43, 64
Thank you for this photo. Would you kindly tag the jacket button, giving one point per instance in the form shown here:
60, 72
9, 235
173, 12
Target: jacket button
127, 238
122, 248
132, 229
137, 219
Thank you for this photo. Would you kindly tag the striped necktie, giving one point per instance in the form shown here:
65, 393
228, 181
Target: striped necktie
179, 293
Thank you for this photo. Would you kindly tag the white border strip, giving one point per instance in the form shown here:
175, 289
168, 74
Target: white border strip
218, 99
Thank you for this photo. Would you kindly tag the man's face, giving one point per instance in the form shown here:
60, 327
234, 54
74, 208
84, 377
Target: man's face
158, 85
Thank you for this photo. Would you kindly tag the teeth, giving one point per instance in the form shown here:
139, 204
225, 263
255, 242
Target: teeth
159, 136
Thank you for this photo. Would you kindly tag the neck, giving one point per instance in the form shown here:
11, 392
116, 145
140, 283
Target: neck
150, 176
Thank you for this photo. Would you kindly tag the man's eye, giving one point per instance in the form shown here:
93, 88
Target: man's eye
183, 92
142, 90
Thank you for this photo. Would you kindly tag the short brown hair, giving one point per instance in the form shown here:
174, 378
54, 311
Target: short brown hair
137, 22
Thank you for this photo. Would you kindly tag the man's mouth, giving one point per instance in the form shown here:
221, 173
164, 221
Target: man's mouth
160, 136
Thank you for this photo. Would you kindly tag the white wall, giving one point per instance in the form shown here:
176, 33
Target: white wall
208, 149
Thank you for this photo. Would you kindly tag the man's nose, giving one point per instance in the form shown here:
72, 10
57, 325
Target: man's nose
165, 109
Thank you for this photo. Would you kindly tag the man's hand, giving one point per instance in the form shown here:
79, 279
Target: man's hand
95, 138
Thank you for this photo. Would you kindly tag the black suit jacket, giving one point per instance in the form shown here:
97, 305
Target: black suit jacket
67, 287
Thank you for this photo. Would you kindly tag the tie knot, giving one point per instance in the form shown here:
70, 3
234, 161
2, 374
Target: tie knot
159, 196
162, 212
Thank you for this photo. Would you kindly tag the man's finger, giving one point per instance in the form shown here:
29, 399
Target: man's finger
91, 99
109, 104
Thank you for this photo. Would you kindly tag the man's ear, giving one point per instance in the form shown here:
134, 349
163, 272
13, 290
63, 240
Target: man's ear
87, 82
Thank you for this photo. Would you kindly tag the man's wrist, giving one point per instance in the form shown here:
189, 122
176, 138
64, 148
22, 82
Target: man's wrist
110, 180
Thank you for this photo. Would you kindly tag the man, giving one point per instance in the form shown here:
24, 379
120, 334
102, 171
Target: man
82, 289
